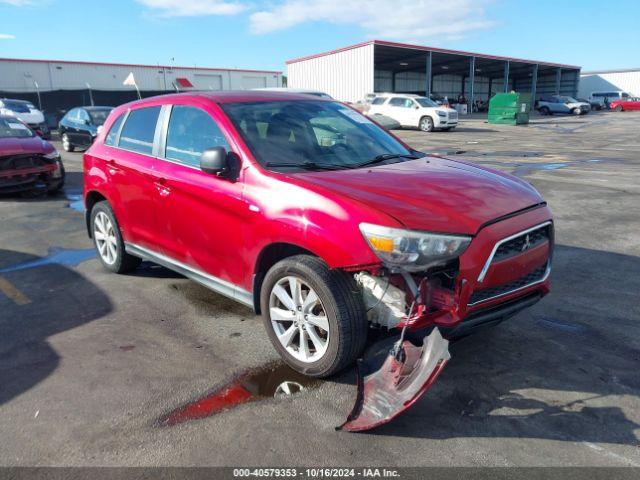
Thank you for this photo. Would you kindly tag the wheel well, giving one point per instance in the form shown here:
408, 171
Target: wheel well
269, 256
91, 199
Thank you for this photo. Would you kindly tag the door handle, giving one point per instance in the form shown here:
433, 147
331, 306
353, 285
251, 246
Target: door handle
113, 167
160, 184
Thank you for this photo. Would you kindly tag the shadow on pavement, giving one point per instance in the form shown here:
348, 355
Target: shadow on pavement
563, 370
35, 304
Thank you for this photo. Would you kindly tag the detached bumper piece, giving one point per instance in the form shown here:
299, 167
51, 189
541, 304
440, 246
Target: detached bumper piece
406, 374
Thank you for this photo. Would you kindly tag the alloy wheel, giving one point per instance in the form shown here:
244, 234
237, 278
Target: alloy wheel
299, 319
105, 237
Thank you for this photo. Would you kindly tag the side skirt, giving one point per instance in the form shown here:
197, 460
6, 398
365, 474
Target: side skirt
216, 284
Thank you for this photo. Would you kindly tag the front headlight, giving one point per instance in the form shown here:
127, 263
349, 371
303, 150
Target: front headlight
442, 114
412, 250
53, 155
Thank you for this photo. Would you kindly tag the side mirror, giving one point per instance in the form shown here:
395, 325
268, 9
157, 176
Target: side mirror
215, 161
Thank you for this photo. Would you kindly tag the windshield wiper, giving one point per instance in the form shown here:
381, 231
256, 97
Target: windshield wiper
304, 165
383, 157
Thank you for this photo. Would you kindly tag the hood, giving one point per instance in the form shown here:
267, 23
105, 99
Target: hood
34, 116
431, 193
17, 146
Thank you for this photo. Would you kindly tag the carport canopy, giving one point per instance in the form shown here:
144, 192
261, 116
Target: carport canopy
449, 73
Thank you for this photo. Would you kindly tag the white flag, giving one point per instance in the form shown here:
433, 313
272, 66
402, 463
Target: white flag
130, 80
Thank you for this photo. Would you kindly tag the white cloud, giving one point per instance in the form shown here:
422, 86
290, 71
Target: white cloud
388, 19
17, 3
6, 36
192, 8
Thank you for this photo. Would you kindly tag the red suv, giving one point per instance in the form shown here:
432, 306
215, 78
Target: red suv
314, 216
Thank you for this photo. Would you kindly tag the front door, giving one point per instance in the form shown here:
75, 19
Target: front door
201, 214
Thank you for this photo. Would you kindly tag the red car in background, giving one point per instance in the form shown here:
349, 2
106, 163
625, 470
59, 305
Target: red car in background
27, 162
310, 213
625, 104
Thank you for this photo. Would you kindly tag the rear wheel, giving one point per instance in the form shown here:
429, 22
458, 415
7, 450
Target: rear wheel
67, 146
426, 124
108, 240
545, 111
315, 317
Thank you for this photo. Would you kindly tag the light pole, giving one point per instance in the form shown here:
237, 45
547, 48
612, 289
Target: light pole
90, 93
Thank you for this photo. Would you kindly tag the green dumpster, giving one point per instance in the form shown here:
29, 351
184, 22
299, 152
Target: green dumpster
510, 108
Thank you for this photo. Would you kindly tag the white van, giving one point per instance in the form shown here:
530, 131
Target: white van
604, 98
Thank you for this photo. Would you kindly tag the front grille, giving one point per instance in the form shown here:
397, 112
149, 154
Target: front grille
453, 115
522, 243
16, 162
487, 293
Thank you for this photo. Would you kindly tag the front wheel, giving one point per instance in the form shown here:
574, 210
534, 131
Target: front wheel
108, 240
67, 146
314, 316
618, 108
426, 124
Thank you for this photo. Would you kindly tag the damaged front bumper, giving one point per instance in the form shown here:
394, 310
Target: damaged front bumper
21, 173
499, 274
498, 267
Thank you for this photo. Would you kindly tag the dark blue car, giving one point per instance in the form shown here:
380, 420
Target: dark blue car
79, 126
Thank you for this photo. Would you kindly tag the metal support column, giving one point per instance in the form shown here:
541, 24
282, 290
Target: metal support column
534, 84
472, 78
393, 81
506, 76
490, 87
558, 79
429, 73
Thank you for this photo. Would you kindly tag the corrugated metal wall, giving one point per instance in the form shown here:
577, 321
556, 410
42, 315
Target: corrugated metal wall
346, 75
602, 82
19, 76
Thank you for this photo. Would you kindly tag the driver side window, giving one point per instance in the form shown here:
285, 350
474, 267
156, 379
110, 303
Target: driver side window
191, 131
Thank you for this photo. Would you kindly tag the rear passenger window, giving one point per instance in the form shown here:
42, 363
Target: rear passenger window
191, 131
139, 130
378, 101
113, 131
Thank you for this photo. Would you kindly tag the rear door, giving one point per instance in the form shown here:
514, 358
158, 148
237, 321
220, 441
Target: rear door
400, 109
201, 215
130, 165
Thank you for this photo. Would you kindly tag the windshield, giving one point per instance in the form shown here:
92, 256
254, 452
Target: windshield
14, 106
303, 134
12, 128
425, 102
98, 117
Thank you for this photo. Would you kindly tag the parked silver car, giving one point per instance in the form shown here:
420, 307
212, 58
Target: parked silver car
561, 104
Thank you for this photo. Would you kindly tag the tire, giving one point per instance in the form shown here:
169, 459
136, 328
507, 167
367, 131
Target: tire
618, 108
67, 146
426, 124
113, 257
339, 304
545, 111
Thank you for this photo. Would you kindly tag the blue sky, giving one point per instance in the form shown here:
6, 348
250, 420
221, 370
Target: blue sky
595, 34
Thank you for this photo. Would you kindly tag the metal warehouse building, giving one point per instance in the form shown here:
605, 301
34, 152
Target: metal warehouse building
349, 73
60, 85
610, 80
